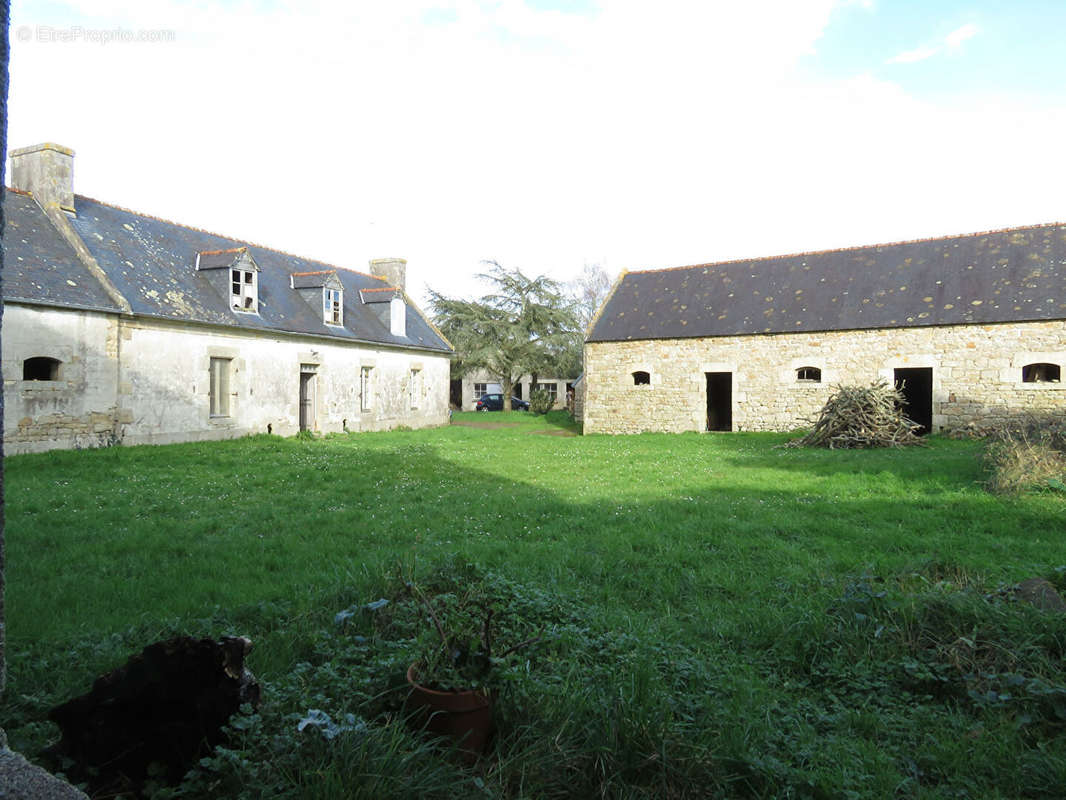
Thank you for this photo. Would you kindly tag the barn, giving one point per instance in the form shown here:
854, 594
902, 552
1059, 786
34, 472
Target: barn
973, 327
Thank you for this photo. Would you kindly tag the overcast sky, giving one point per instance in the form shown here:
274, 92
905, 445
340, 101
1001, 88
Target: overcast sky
548, 134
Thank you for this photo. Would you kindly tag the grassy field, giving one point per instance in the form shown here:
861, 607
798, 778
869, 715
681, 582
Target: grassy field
724, 617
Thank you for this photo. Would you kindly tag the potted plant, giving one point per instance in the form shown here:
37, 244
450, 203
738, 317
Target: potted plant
456, 674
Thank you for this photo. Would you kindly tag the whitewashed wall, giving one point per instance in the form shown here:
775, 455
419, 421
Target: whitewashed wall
81, 408
138, 381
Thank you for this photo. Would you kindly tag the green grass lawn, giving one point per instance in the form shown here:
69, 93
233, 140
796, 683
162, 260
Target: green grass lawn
740, 619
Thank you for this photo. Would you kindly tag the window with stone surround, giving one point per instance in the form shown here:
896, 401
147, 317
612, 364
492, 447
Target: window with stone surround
1041, 373
244, 290
641, 378
40, 368
219, 387
809, 375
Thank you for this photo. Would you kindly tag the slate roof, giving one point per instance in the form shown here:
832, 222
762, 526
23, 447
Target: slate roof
152, 263
219, 259
313, 280
1010, 275
39, 266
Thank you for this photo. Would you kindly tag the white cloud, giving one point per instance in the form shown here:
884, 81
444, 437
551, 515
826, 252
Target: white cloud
633, 135
912, 56
952, 41
960, 35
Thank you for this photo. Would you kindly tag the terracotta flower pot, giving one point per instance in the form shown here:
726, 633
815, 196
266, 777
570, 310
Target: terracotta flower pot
463, 716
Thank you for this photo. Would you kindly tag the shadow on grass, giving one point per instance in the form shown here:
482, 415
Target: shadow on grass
105, 538
739, 574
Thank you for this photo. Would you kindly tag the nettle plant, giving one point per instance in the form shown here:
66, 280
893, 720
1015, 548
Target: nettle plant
455, 648
465, 628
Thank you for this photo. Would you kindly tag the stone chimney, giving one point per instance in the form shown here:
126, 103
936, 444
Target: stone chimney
47, 172
394, 270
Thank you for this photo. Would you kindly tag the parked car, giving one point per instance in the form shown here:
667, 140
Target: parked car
494, 402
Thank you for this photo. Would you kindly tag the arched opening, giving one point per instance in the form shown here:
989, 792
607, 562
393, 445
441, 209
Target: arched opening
1041, 373
809, 375
40, 368
641, 378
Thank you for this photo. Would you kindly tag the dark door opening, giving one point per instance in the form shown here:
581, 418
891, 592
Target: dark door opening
916, 386
307, 401
455, 394
719, 401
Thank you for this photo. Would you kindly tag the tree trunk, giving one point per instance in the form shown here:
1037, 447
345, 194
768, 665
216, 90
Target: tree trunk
508, 386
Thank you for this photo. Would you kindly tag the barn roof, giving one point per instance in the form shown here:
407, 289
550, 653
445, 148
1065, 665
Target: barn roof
153, 264
1012, 275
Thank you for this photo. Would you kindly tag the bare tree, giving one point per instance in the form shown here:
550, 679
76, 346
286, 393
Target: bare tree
589, 290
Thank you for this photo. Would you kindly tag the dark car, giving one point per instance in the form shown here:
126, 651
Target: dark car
494, 402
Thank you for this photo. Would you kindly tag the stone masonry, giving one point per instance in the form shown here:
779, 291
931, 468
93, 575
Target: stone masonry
977, 375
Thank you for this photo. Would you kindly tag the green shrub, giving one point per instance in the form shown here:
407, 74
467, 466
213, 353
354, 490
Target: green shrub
540, 402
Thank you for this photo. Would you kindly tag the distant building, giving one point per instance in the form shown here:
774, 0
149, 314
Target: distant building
465, 392
973, 327
123, 328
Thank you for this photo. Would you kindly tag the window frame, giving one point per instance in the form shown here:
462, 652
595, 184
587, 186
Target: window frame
219, 393
246, 297
332, 306
415, 388
815, 380
551, 388
366, 388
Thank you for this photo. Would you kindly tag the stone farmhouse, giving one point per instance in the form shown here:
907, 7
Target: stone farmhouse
119, 327
973, 327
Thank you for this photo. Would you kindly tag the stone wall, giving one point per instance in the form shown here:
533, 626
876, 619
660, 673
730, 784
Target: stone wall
137, 381
977, 375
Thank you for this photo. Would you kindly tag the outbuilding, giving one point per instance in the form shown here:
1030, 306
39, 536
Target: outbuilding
972, 327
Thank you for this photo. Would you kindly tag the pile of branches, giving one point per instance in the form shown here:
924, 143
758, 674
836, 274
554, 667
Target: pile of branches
862, 416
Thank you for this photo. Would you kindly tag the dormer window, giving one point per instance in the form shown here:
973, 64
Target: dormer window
333, 306
243, 294
243, 276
